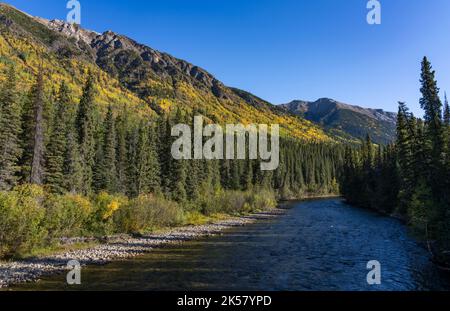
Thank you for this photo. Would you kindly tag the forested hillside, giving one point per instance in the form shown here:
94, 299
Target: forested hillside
130, 74
347, 122
410, 178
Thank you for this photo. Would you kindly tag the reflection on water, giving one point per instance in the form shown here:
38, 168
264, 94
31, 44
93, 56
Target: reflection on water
317, 245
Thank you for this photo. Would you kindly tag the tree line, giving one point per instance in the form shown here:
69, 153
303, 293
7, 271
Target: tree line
411, 177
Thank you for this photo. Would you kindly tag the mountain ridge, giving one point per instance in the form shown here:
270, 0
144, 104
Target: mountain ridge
355, 121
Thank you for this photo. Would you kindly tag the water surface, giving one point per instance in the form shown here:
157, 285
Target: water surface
317, 245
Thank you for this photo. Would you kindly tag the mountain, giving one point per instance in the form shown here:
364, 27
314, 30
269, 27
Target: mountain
343, 120
131, 75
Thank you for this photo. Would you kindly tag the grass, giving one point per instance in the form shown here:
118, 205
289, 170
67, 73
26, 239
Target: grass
55, 249
197, 218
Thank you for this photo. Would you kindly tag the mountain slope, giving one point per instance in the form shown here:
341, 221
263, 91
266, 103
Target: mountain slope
345, 120
131, 74
27, 45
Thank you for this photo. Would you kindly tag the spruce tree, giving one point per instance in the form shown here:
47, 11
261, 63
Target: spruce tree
153, 183
194, 178
163, 140
434, 151
10, 130
147, 162
32, 161
198, 171
86, 130
225, 174
405, 136
235, 175
248, 175
446, 111
132, 162
108, 171
121, 152
431, 104
178, 169
57, 148
73, 166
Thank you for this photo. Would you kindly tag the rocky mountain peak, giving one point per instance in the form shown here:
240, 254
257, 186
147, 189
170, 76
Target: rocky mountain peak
354, 120
130, 60
69, 30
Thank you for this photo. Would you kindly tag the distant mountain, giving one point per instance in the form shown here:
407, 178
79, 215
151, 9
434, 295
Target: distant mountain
130, 74
343, 120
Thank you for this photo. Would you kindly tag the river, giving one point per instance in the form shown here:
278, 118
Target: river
318, 245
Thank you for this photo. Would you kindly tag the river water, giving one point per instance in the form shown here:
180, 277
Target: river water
317, 245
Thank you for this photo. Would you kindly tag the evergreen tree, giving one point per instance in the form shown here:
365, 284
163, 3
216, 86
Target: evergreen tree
178, 169
108, 172
431, 104
405, 137
225, 174
166, 161
194, 178
248, 175
121, 152
446, 111
235, 175
132, 162
434, 151
57, 148
73, 166
10, 130
198, 171
85, 126
148, 169
33, 134
214, 177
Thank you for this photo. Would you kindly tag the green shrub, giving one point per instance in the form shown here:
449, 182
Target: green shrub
232, 202
105, 205
262, 200
67, 215
21, 220
147, 212
206, 204
238, 202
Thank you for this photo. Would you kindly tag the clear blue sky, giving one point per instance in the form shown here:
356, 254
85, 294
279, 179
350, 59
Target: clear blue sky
287, 49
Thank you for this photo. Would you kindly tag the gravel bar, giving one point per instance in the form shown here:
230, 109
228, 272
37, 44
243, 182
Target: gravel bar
117, 247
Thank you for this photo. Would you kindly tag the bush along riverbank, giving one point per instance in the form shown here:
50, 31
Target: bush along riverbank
43, 223
32, 219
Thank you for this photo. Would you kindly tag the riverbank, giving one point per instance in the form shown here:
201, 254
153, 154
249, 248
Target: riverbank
318, 245
310, 196
118, 248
